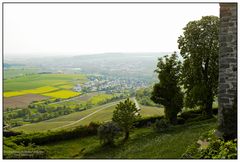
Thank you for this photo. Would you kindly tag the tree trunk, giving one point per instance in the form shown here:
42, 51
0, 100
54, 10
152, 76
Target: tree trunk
207, 109
126, 135
173, 120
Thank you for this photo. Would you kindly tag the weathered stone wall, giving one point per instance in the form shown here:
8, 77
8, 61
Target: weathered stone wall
227, 69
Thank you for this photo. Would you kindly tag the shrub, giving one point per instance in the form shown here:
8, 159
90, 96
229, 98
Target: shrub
144, 122
107, 132
161, 125
190, 114
216, 149
192, 152
9, 144
180, 120
199, 118
7, 133
219, 149
48, 137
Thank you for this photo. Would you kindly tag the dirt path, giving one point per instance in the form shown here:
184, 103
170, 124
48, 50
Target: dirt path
101, 108
73, 98
136, 103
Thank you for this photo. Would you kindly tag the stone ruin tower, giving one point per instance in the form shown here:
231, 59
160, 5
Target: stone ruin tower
227, 96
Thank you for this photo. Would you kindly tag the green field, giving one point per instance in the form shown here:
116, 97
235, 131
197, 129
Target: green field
14, 72
66, 86
97, 114
144, 143
93, 98
151, 111
99, 98
39, 80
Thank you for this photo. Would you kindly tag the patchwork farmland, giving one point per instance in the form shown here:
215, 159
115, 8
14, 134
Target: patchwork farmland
97, 114
42, 85
42, 102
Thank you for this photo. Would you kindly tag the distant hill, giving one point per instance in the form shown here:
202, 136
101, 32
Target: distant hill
7, 65
128, 65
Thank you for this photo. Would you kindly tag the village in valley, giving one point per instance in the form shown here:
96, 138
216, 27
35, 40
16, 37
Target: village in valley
109, 84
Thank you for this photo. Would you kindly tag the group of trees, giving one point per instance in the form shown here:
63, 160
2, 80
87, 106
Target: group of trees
31, 115
190, 83
193, 81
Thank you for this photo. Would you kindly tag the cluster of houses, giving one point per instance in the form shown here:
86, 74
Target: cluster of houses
110, 85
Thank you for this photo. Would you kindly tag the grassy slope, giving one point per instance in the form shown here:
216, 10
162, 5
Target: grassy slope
100, 116
143, 143
151, 111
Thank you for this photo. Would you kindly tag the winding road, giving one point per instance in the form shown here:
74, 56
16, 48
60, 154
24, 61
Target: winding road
101, 108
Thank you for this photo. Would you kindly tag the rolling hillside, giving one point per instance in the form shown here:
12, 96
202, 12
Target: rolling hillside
144, 143
97, 114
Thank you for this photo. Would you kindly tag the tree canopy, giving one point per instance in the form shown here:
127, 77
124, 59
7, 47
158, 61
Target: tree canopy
125, 114
199, 48
168, 91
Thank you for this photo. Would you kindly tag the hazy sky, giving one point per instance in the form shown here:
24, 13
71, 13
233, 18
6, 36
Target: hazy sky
59, 29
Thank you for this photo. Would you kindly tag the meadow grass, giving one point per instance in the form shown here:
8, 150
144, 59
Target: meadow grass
100, 98
40, 126
144, 143
148, 111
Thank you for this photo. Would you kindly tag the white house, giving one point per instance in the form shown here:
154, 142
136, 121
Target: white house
77, 88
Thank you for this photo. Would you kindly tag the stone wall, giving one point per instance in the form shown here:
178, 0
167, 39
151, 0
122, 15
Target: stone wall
227, 71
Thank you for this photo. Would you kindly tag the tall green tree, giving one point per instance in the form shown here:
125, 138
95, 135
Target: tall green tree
199, 48
124, 115
168, 91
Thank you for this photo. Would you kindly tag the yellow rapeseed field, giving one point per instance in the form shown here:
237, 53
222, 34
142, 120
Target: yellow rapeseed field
15, 93
62, 94
39, 90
